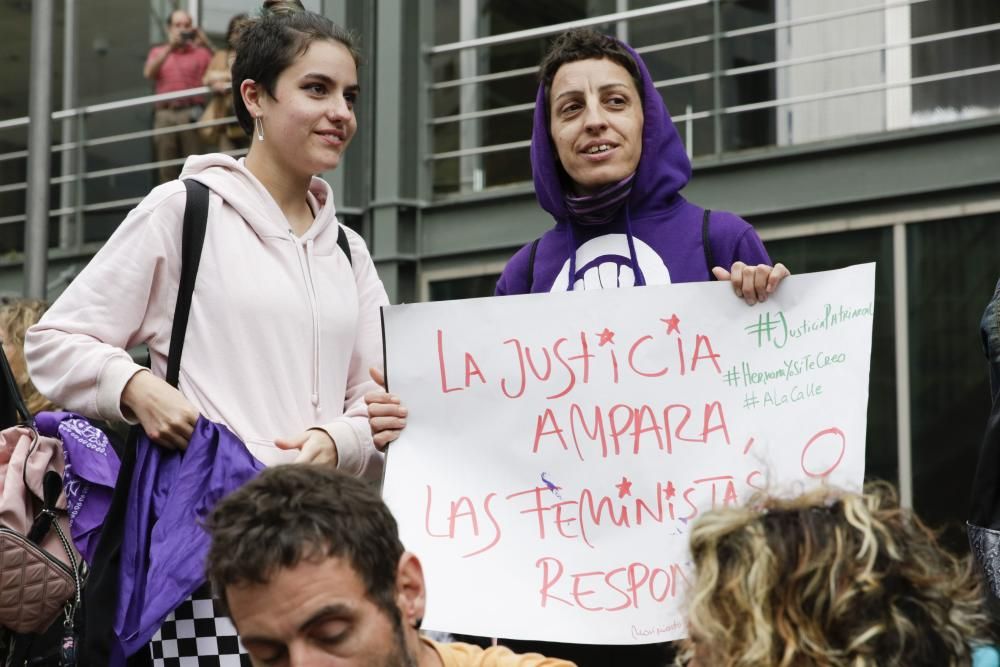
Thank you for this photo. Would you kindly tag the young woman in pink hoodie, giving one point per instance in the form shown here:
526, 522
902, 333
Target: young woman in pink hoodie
282, 328
283, 324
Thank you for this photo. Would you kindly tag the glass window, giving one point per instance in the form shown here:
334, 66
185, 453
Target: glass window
834, 251
649, 35
475, 172
962, 97
952, 270
15, 84
463, 288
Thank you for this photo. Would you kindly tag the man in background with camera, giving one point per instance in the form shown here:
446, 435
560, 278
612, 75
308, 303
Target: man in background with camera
178, 65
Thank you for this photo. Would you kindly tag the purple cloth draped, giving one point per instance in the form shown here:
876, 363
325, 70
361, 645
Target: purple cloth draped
165, 545
89, 478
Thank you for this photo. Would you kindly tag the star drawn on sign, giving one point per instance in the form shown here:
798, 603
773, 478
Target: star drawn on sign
624, 487
672, 323
670, 491
606, 336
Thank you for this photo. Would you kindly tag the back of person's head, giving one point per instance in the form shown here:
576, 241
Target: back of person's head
293, 513
829, 579
585, 44
270, 43
236, 25
16, 315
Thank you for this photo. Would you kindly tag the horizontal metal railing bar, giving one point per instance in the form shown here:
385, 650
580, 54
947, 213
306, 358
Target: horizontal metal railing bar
818, 18
480, 150
56, 180
111, 106
101, 173
676, 44
801, 99
860, 90
683, 80
555, 28
832, 55
87, 208
126, 136
694, 115
141, 134
861, 50
117, 203
116, 171
498, 111
142, 166
506, 74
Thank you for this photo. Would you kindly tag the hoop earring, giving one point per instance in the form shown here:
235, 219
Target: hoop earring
258, 124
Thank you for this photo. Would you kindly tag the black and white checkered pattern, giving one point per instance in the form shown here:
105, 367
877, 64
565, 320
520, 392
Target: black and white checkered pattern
198, 634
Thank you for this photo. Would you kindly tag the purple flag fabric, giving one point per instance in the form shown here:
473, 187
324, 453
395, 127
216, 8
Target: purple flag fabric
171, 494
89, 478
164, 545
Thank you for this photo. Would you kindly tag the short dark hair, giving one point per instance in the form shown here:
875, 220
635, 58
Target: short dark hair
270, 44
585, 44
297, 512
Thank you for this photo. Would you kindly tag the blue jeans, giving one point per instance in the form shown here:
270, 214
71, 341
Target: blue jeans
990, 327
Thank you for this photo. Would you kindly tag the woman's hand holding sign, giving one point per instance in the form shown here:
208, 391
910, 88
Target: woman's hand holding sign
386, 416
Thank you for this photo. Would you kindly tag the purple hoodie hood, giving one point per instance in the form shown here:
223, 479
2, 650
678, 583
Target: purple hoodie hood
656, 238
663, 170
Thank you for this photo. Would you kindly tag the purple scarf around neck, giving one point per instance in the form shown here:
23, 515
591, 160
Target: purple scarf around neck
600, 207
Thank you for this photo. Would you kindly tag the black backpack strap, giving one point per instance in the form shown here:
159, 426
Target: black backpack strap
100, 595
192, 242
344, 244
21, 413
706, 244
531, 264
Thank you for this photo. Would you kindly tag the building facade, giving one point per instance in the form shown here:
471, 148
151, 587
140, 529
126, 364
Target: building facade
846, 131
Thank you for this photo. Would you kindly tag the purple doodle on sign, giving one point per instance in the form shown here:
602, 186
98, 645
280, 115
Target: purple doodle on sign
552, 487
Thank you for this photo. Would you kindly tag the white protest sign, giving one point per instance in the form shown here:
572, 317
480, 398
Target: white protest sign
558, 446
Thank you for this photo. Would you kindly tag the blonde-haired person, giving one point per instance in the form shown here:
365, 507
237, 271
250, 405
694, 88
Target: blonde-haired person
16, 315
830, 579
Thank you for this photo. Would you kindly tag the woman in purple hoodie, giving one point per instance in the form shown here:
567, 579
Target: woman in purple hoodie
609, 165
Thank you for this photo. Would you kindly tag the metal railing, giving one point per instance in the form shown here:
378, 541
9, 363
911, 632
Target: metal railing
463, 126
73, 182
459, 131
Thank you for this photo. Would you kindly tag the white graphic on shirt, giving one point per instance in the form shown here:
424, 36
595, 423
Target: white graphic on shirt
604, 262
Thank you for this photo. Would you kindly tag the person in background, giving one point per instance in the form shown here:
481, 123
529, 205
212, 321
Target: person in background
16, 315
219, 78
309, 564
179, 64
830, 579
